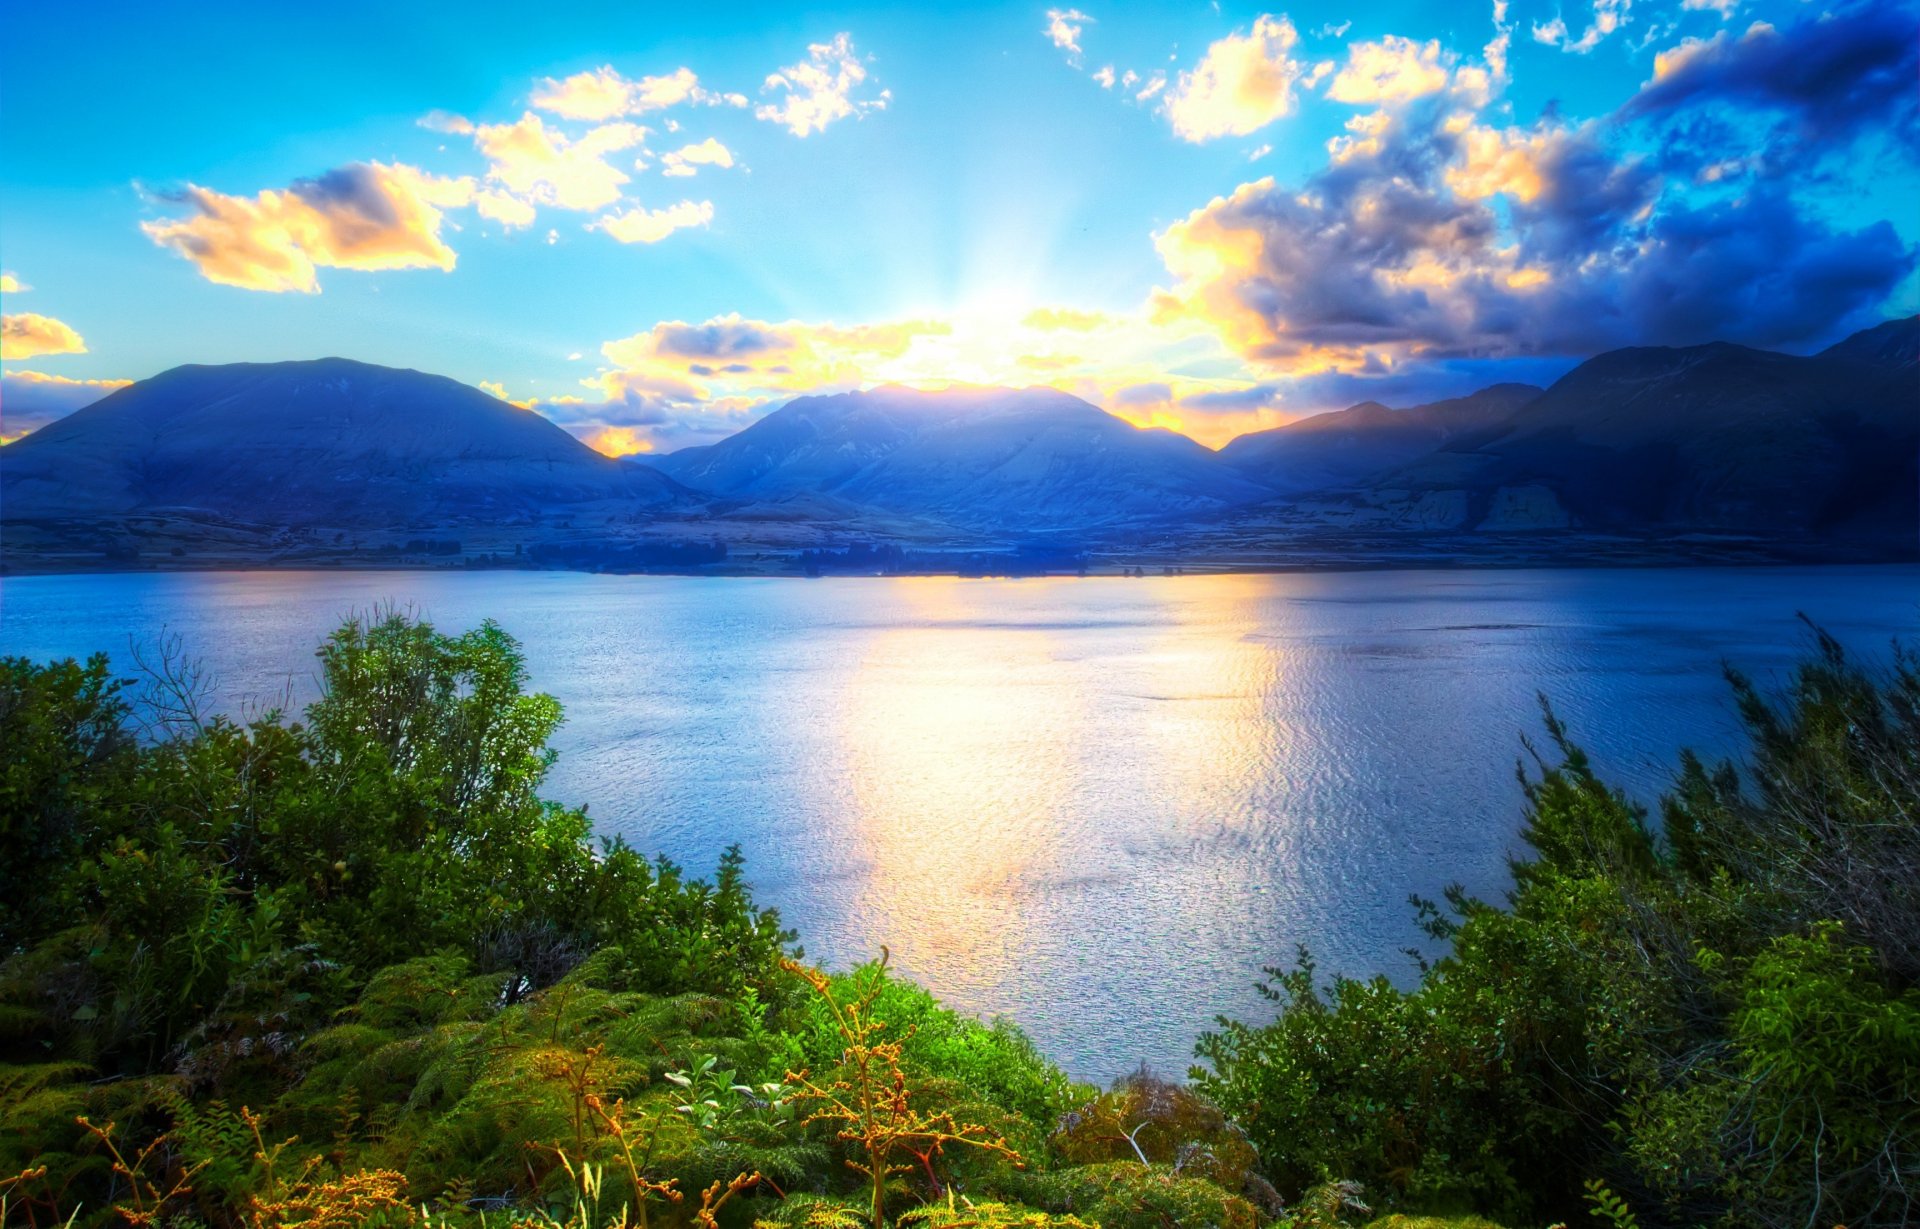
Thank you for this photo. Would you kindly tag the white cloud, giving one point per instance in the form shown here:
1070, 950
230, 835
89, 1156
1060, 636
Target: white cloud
1064, 27
1105, 77
1242, 84
1608, 16
1394, 69
541, 165
688, 159
652, 225
602, 94
820, 89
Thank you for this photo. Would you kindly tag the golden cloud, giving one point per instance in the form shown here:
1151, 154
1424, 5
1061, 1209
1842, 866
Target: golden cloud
1502, 162
1051, 319
28, 335
9, 284
618, 441
1242, 84
366, 216
30, 400
734, 355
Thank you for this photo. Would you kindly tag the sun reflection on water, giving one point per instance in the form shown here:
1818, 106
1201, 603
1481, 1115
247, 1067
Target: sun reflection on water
958, 736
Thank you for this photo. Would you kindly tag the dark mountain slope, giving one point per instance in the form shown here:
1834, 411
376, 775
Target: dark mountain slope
326, 442
1715, 438
1350, 445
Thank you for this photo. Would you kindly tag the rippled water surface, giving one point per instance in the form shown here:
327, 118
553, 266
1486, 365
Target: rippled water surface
1098, 806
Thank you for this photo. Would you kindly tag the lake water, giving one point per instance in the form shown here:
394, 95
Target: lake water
1098, 806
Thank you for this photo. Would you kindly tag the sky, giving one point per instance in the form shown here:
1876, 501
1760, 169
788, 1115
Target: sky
655, 223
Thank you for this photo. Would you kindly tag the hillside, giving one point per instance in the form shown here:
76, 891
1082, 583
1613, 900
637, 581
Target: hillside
329, 442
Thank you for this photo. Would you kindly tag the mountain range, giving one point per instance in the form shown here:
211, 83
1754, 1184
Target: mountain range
1657, 444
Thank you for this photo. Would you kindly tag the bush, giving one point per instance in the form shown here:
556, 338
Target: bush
1718, 1021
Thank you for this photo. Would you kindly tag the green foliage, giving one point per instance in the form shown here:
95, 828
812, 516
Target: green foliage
1129, 1195
1718, 1023
68, 753
1609, 1207
997, 1061
951, 1215
355, 971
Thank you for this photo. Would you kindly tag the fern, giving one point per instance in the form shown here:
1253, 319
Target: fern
1609, 1207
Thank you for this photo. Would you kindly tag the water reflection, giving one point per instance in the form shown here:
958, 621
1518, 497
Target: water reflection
959, 741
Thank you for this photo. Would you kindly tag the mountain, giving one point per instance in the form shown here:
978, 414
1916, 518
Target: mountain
1032, 458
1714, 438
1347, 446
1892, 343
328, 442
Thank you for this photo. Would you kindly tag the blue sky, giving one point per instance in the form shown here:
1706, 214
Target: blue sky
1215, 218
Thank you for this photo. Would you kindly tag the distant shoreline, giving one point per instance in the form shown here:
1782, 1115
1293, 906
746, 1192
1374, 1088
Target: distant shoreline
1119, 568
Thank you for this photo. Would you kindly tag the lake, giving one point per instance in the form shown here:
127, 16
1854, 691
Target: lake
1097, 806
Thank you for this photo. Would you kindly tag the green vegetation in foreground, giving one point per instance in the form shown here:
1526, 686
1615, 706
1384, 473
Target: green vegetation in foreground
354, 971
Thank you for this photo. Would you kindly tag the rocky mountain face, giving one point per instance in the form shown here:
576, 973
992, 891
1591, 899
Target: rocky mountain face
329, 442
1026, 459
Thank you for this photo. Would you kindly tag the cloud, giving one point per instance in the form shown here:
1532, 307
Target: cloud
820, 89
617, 441
630, 414
29, 400
740, 355
1826, 79
503, 207
28, 335
1064, 27
1608, 16
1394, 69
541, 165
1054, 319
1242, 84
9, 284
498, 391
366, 216
652, 225
688, 159
602, 94
1105, 77
1438, 237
